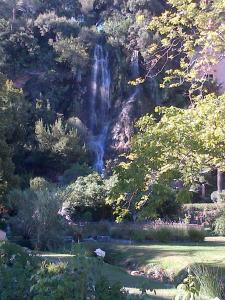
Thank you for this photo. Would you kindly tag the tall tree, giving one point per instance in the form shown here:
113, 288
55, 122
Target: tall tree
182, 145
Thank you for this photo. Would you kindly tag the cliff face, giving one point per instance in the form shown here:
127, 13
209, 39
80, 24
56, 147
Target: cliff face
77, 66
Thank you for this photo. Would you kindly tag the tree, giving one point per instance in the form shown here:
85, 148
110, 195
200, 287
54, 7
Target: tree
50, 23
188, 42
183, 144
154, 6
12, 131
36, 213
117, 28
60, 141
68, 8
72, 52
88, 192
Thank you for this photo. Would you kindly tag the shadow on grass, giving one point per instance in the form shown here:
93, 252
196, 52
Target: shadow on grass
120, 257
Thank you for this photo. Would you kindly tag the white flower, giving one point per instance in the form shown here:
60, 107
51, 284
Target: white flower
100, 253
216, 298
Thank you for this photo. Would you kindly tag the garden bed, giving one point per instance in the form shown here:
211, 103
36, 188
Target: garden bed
151, 231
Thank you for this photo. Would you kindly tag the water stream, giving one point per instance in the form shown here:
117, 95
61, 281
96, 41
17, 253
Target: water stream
123, 129
99, 106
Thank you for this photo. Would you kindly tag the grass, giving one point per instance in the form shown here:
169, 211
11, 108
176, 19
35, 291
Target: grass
171, 257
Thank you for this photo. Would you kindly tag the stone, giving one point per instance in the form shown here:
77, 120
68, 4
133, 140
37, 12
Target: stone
3, 236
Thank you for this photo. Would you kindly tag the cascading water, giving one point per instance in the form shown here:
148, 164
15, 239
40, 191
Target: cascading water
123, 129
99, 106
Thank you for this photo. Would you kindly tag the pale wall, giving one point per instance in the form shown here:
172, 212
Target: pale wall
219, 74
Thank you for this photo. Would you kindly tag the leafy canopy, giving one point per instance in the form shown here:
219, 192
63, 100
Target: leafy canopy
182, 145
188, 41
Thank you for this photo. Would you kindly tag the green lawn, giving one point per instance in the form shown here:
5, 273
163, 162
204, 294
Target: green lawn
171, 257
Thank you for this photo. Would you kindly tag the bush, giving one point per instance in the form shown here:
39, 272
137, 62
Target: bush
196, 235
23, 276
163, 235
121, 231
81, 280
91, 229
205, 213
16, 269
105, 291
37, 216
210, 280
184, 196
88, 193
138, 235
220, 226
218, 197
202, 282
75, 171
188, 289
57, 281
162, 204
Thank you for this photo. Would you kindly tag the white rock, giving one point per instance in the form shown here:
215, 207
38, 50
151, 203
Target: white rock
3, 235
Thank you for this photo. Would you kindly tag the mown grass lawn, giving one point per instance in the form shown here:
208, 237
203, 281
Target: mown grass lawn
171, 257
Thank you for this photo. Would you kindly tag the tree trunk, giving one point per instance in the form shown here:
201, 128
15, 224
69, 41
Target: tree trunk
219, 181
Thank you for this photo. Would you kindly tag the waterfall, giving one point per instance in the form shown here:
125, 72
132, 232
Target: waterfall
123, 129
135, 72
99, 106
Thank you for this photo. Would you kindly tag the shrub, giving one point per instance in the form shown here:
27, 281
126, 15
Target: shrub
105, 291
37, 216
184, 196
88, 193
81, 280
210, 280
23, 276
16, 269
121, 231
220, 226
218, 197
188, 289
138, 235
205, 213
92, 229
39, 183
57, 281
196, 235
163, 235
149, 234
75, 171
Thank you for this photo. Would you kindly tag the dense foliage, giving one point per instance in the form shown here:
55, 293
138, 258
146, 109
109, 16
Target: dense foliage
75, 78
46, 55
23, 275
184, 144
